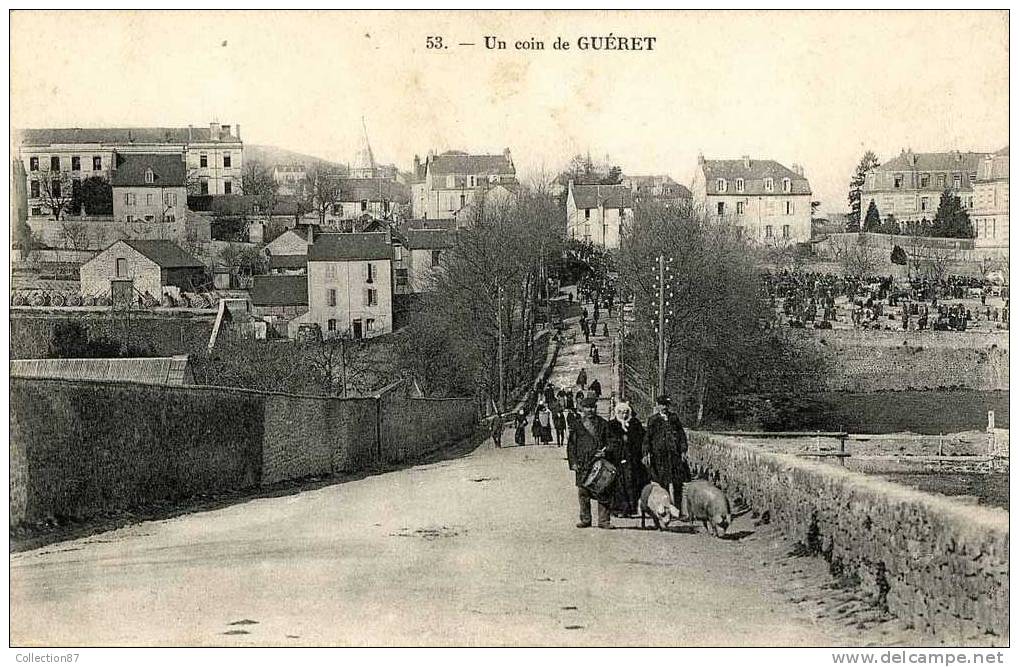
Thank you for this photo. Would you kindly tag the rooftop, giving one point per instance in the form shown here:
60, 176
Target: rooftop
428, 239
339, 247
753, 172
280, 291
123, 135
459, 162
167, 170
596, 196
950, 161
148, 370
166, 254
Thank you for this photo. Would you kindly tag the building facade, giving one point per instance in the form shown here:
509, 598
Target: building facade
764, 200
989, 214
379, 198
290, 178
909, 186
149, 191
658, 188
128, 269
446, 183
597, 213
350, 290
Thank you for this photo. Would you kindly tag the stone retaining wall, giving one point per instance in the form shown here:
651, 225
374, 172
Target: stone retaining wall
931, 561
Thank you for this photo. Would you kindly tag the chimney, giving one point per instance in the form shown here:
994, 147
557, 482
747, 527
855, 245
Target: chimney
700, 158
214, 131
746, 161
311, 235
190, 134
225, 130
237, 130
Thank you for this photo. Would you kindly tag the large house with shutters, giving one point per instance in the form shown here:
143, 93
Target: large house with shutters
765, 201
447, 183
596, 213
989, 214
149, 190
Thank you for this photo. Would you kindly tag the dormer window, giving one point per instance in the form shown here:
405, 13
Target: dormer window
769, 185
149, 176
721, 185
739, 185
787, 185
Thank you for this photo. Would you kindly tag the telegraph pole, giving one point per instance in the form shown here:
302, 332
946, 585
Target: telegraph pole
502, 385
661, 325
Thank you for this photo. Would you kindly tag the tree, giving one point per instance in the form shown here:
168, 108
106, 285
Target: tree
952, 220
323, 189
872, 221
867, 162
92, 196
258, 182
75, 234
890, 225
56, 190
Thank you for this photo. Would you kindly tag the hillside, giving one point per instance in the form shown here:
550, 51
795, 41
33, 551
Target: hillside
272, 155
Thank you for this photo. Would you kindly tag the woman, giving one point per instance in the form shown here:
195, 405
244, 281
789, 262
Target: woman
520, 426
595, 357
582, 378
536, 423
544, 421
627, 435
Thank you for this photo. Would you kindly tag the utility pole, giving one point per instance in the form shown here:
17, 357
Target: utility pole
661, 325
502, 385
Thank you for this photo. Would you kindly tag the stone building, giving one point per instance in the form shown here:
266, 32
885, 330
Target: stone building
424, 249
129, 269
989, 214
380, 198
596, 213
290, 178
764, 200
910, 185
658, 188
149, 189
445, 184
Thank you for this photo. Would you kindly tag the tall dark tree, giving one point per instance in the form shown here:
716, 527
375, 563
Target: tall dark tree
92, 196
952, 220
867, 162
872, 221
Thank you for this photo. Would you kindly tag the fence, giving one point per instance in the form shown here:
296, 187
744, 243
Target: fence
84, 449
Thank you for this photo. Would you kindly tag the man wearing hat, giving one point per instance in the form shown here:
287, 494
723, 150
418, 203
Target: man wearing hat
665, 447
587, 442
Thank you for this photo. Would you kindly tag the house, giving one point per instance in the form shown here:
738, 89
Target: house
658, 188
446, 183
350, 289
372, 197
764, 200
279, 299
989, 214
174, 371
596, 213
424, 249
288, 252
149, 190
290, 178
129, 269
909, 186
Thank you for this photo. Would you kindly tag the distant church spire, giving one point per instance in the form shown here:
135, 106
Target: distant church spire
364, 161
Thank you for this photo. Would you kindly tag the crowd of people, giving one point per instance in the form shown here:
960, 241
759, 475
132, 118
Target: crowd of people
809, 299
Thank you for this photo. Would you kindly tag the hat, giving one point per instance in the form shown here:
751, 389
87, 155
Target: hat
589, 402
663, 400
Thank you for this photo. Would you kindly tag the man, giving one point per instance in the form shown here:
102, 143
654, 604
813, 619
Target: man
626, 434
497, 427
665, 446
587, 442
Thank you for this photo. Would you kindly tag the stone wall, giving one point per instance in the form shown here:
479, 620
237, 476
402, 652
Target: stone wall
931, 561
413, 427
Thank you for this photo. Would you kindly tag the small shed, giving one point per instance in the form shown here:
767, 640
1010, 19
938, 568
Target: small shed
130, 268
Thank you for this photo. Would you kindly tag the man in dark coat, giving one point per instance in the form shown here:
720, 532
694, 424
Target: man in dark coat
626, 433
595, 388
664, 451
589, 441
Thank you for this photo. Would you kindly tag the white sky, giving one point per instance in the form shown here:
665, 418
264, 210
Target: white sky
810, 87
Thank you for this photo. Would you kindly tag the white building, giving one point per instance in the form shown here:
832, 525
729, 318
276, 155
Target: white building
989, 214
446, 183
596, 213
765, 201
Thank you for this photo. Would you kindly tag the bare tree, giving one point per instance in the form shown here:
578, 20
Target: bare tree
323, 188
74, 234
56, 190
857, 257
258, 182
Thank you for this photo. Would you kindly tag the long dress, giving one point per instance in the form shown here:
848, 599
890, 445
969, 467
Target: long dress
545, 426
520, 426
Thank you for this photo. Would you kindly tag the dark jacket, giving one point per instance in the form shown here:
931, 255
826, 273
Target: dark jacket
588, 437
661, 445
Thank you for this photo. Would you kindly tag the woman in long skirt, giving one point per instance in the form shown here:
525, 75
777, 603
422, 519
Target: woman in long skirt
520, 427
544, 421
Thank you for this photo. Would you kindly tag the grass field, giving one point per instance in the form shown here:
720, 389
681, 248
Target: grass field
988, 488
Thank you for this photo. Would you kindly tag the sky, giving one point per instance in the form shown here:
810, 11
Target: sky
813, 88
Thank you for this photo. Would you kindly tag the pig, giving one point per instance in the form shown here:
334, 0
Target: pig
655, 501
702, 500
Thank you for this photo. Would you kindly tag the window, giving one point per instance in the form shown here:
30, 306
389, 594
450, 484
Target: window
398, 253
75, 163
787, 185
369, 324
36, 210
226, 160
721, 185
129, 199
897, 181
54, 163
587, 214
170, 198
331, 297
170, 217
721, 208
97, 163
436, 256
35, 188
925, 180
33, 164
788, 208
450, 181
55, 188
924, 203
767, 231
130, 218
463, 200
401, 277
369, 273
957, 181
769, 184
228, 187
331, 325
149, 176
203, 160
364, 204
203, 186
740, 206
769, 206
473, 181
739, 185
121, 267
371, 297
148, 200
941, 181
785, 231
330, 270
